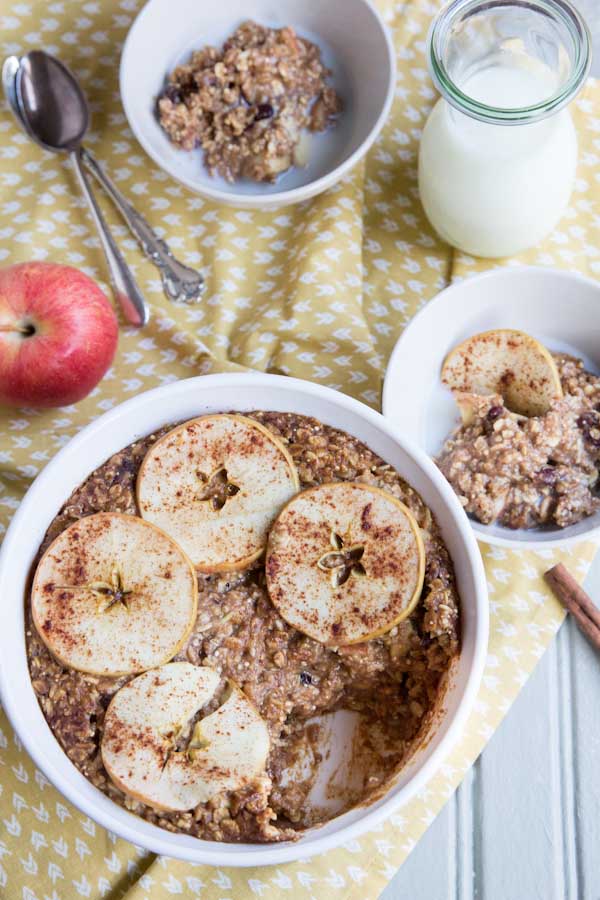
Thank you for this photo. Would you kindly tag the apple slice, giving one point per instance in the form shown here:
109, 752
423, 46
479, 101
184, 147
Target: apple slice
506, 362
154, 751
114, 595
215, 484
345, 562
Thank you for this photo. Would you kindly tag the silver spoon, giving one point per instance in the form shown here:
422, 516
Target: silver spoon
55, 114
181, 283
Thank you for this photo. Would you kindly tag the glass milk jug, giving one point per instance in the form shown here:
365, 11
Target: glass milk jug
498, 153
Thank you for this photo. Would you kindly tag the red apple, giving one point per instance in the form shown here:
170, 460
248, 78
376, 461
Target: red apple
58, 335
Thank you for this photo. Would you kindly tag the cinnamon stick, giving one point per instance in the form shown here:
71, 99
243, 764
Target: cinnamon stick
576, 601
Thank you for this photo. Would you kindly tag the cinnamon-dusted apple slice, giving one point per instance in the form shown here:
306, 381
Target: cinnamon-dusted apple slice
506, 362
114, 595
345, 562
156, 750
215, 484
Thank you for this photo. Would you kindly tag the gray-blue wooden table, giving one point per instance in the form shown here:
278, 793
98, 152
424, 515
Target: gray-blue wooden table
525, 822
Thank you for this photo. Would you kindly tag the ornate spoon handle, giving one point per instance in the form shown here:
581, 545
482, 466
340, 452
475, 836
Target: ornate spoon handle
181, 284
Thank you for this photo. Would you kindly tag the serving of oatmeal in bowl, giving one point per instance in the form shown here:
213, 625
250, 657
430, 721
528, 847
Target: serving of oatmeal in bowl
252, 104
509, 402
254, 111
249, 620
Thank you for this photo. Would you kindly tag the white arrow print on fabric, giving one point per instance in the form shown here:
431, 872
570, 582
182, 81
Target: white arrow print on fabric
21, 442
61, 847
384, 847
88, 826
113, 863
222, 880
38, 840
19, 802
41, 780
353, 846
82, 849
520, 604
172, 885
335, 879
357, 874
62, 812
282, 880
104, 886
83, 887
54, 872
29, 864
13, 826
52, 896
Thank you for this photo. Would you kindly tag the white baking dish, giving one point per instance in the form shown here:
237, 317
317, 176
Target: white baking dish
140, 416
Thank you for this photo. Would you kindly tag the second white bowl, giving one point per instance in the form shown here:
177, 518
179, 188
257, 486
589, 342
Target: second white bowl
559, 308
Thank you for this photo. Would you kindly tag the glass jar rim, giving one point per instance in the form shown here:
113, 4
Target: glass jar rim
568, 15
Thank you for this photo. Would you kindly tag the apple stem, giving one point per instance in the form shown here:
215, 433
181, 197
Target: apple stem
26, 330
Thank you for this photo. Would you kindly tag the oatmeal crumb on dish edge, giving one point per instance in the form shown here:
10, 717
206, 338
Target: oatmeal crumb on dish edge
395, 681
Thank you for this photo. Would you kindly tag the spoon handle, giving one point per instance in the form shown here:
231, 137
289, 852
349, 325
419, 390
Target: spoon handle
128, 293
181, 284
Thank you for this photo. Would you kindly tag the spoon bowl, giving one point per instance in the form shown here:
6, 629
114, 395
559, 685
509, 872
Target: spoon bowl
54, 106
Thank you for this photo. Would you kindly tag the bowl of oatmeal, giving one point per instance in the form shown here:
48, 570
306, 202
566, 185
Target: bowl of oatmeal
516, 427
296, 724
254, 107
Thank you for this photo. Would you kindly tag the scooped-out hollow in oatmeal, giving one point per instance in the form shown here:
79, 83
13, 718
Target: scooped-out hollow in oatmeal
249, 105
251, 666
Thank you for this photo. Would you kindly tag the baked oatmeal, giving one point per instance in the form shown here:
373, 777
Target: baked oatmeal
247, 104
394, 681
530, 472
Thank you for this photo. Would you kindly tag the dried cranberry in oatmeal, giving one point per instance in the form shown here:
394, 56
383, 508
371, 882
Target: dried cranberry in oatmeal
395, 682
531, 472
247, 104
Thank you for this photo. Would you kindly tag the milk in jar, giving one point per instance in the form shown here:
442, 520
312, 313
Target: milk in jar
498, 153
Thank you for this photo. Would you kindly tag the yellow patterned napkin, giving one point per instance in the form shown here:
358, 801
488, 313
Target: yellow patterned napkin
320, 291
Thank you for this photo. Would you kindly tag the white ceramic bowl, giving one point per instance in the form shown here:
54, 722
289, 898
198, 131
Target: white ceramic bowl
140, 416
355, 45
559, 308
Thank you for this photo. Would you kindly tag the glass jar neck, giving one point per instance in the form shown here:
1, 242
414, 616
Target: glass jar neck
509, 62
